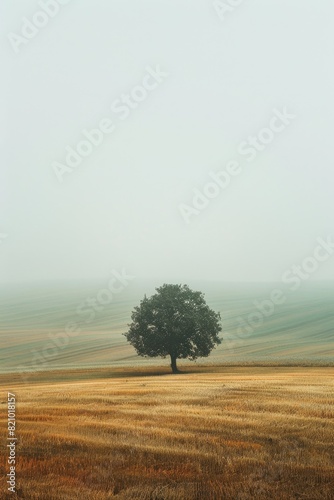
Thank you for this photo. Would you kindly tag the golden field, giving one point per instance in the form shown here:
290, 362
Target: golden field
210, 433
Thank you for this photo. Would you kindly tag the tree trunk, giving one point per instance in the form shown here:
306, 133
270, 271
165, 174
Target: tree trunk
173, 364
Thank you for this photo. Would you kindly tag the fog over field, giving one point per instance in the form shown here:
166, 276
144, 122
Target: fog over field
34, 325
171, 142
181, 149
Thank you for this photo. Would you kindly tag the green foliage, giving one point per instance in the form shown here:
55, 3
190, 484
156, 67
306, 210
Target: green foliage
175, 321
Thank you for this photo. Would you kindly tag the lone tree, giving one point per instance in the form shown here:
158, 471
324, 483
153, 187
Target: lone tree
175, 322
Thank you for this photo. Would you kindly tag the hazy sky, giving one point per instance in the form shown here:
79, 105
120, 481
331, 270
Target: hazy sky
120, 207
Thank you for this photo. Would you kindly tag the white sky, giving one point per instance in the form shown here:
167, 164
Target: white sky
119, 208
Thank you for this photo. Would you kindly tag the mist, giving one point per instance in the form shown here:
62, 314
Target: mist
142, 136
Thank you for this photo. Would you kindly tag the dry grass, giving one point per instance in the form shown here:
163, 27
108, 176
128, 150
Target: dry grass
211, 433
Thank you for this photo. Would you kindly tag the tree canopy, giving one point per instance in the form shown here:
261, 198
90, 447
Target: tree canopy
175, 322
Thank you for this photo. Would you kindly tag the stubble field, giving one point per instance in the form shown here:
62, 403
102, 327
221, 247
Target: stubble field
209, 433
